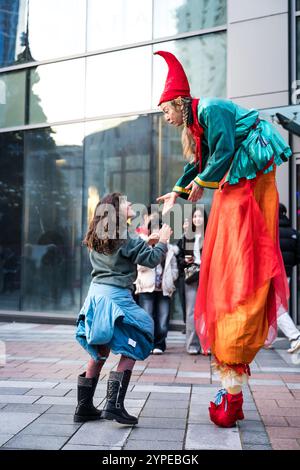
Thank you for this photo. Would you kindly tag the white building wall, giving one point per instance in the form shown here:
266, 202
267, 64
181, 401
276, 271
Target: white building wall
257, 61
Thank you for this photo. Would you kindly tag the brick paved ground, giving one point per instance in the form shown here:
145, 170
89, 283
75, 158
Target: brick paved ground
170, 393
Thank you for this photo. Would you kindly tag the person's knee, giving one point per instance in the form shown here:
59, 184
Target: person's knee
103, 352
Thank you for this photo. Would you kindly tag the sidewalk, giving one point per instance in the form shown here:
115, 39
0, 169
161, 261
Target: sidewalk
170, 393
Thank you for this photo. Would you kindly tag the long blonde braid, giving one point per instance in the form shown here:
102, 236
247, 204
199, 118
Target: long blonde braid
187, 140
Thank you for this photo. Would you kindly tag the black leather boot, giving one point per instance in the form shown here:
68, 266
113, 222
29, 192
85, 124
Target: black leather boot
85, 410
116, 390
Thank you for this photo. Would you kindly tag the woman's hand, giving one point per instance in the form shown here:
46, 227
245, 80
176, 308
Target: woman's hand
196, 191
165, 233
169, 200
153, 239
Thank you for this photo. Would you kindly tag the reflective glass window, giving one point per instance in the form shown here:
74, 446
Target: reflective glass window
56, 28
171, 17
52, 219
297, 5
204, 61
13, 31
119, 82
298, 47
12, 98
57, 91
118, 22
298, 228
118, 157
11, 208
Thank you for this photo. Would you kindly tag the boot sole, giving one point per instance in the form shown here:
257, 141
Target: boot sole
112, 417
84, 419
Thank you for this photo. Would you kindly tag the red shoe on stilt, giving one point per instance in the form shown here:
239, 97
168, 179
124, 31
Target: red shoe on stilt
226, 409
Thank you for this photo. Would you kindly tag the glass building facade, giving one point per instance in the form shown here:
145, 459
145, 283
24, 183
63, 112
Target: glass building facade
79, 88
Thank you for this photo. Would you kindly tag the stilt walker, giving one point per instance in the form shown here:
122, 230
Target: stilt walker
242, 279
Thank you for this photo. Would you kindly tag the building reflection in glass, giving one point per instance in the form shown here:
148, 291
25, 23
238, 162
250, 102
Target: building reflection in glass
118, 22
173, 17
52, 219
58, 90
204, 60
13, 31
118, 82
11, 207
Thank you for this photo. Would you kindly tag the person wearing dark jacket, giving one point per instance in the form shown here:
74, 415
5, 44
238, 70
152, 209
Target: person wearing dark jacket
190, 248
290, 247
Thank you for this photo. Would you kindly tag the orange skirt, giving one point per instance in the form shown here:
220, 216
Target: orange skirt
242, 280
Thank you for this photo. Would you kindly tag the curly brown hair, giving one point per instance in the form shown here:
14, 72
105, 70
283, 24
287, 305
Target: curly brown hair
104, 232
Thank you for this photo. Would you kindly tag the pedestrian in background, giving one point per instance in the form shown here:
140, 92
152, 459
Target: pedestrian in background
189, 260
110, 320
155, 287
290, 248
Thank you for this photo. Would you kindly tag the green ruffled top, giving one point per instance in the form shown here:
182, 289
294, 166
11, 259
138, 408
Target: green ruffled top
231, 144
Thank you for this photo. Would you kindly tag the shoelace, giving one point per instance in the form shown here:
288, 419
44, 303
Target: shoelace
219, 396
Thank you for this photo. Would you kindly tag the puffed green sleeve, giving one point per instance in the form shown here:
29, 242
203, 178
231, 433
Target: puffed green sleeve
220, 129
190, 171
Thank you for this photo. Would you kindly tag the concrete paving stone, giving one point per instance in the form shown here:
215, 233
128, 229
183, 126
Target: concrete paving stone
285, 444
248, 425
73, 393
26, 384
292, 421
59, 400
138, 395
252, 415
164, 413
47, 429
202, 436
152, 445
36, 442
61, 409
280, 369
203, 419
183, 397
68, 385
131, 403
162, 423
293, 386
167, 404
266, 382
79, 447
257, 447
51, 418
13, 391
13, 423
101, 433
145, 434
170, 389
158, 371
26, 408
44, 360
283, 432
50, 392
249, 406
249, 437
4, 438
204, 375
2, 405
16, 399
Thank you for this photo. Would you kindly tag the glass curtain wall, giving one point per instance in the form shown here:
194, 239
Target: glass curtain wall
79, 85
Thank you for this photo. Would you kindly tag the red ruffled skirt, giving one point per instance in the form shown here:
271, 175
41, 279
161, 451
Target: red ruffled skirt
242, 280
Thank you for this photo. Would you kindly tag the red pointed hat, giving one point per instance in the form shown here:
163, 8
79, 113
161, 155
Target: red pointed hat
176, 83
